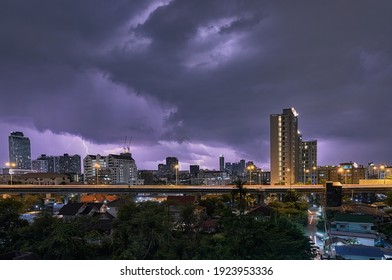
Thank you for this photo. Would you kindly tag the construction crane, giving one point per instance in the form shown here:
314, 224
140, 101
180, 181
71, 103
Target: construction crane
127, 145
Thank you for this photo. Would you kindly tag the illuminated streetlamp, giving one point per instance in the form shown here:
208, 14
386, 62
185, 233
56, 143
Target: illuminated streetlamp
374, 170
288, 170
306, 175
382, 167
314, 174
260, 175
250, 168
176, 168
345, 171
97, 166
10, 165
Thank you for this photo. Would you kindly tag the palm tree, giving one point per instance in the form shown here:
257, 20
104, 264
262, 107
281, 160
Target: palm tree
241, 191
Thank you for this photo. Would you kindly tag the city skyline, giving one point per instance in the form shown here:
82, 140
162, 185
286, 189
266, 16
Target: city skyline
196, 79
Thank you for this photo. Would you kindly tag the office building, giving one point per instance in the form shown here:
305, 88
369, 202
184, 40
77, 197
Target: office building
19, 150
221, 163
70, 164
51, 163
171, 163
40, 166
194, 170
284, 147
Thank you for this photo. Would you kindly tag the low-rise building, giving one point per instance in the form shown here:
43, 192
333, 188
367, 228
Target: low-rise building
362, 252
42, 179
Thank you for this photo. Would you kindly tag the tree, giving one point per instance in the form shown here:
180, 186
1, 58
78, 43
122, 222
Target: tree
388, 200
143, 231
245, 238
55, 239
241, 191
291, 196
10, 221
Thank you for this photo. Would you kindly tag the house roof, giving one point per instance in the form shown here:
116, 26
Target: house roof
124, 156
181, 200
73, 208
119, 202
361, 208
70, 209
362, 250
93, 198
353, 234
354, 218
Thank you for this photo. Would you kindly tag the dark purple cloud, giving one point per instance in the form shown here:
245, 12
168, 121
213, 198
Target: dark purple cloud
181, 75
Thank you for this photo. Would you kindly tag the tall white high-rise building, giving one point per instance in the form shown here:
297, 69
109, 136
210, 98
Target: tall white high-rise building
284, 147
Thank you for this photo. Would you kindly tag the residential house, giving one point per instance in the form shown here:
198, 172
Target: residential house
361, 252
358, 228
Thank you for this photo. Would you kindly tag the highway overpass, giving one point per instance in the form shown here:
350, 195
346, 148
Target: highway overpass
181, 189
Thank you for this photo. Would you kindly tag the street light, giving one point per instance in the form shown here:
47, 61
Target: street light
10, 165
306, 175
176, 168
345, 171
260, 175
97, 166
288, 170
314, 174
374, 170
382, 167
250, 168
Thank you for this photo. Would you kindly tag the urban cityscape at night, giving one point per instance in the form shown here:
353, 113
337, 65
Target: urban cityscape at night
195, 130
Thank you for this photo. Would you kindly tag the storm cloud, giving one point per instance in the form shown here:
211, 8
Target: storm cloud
196, 79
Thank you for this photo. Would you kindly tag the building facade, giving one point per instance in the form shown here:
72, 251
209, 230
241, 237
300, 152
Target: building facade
123, 169
95, 166
284, 147
70, 164
308, 160
194, 170
345, 173
19, 150
111, 169
40, 166
222, 163
48, 163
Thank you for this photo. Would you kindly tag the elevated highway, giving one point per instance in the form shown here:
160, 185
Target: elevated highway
181, 189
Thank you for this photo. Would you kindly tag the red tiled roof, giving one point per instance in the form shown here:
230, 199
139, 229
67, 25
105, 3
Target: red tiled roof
98, 198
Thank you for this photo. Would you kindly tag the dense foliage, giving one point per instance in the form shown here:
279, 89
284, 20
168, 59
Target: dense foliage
148, 231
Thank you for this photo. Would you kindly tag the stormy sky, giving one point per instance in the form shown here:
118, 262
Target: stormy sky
196, 79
